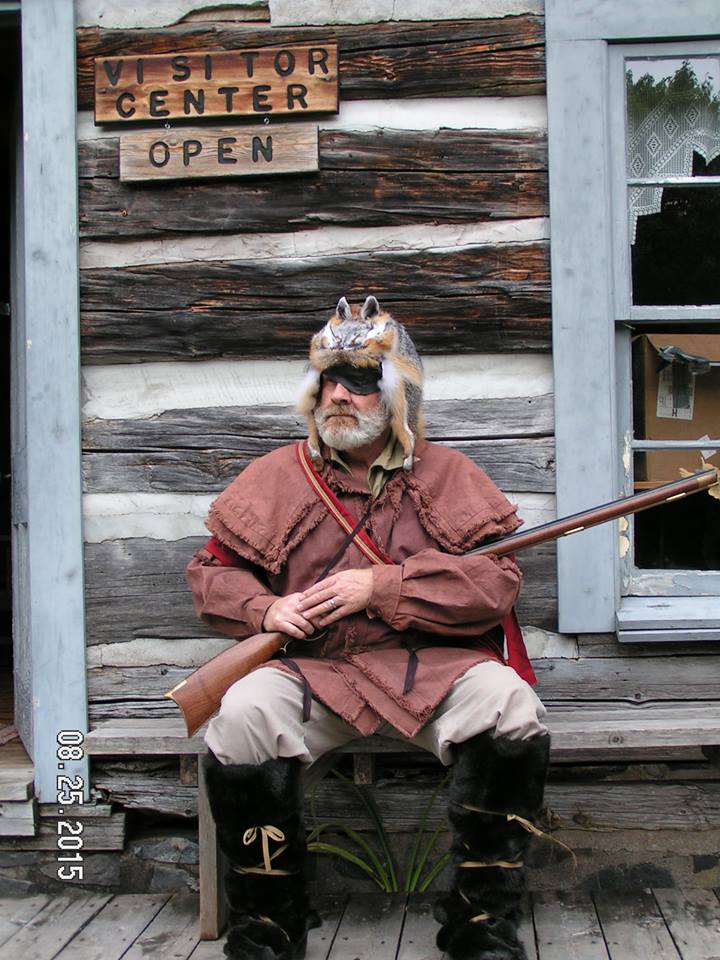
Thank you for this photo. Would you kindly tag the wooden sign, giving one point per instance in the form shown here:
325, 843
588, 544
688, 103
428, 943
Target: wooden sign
189, 152
302, 78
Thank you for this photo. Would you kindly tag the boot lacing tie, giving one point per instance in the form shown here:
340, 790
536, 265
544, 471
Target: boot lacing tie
505, 864
479, 917
267, 833
525, 824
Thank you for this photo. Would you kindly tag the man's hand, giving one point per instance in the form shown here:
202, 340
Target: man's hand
336, 597
284, 614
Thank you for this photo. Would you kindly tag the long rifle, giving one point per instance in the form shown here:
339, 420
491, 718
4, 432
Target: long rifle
199, 695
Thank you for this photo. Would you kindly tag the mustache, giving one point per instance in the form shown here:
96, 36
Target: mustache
338, 410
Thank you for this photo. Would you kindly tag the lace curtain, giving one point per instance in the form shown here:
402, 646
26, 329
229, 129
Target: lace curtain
662, 139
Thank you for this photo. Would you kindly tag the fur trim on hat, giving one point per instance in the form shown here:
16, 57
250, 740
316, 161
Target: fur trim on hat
368, 337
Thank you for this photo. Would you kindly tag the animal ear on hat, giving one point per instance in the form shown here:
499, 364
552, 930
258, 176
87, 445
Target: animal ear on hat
370, 309
343, 309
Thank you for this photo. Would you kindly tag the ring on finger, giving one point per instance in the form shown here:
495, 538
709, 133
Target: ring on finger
333, 602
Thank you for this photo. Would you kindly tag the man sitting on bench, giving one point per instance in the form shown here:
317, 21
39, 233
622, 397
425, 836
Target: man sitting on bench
351, 543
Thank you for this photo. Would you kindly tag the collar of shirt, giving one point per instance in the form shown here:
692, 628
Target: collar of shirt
387, 462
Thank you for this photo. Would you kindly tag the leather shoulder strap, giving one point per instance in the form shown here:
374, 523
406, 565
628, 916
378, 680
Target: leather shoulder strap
337, 511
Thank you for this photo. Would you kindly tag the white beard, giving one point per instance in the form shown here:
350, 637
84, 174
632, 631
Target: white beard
368, 426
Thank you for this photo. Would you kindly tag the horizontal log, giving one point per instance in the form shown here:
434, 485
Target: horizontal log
153, 786
525, 465
588, 806
219, 427
99, 833
478, 299
608, 645
492, 57
143, 390
585, 807
637, 679
568, 681
477, 151
359, 198
136, 588
443, 150
610, 728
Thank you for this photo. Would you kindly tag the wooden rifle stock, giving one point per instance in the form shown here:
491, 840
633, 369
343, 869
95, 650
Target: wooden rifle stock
199, 695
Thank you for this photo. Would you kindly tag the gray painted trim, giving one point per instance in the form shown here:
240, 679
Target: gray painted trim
700, 314
667, 613
631, 21
582, 317
54, 589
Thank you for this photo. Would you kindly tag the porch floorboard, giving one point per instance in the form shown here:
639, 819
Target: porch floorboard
678, 924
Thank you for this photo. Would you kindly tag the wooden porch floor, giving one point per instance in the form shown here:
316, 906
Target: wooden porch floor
644, 925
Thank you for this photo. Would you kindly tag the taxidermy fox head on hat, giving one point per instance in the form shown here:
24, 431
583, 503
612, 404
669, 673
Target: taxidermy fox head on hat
368, 339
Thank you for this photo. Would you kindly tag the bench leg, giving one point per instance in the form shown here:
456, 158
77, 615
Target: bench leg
213, 909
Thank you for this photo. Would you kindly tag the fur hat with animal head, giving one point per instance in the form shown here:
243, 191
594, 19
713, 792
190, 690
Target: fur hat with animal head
368, 339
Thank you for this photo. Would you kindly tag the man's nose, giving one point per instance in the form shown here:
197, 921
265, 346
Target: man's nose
340, 394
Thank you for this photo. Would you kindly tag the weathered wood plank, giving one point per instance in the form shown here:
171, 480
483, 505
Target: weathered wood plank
115, 928
607, 645
492, 57
99, 832
16, 912
199, 152
321, 939
637, 680
572, 806
438, 150
370, 927
144, 390
212, 863
219, 427
693, 917
299, 78
154, 788
16, 783
136, 588
369, 198
633, 926
592, 808
17, 818
450, 150
683, 723
567, 927
419, 931
140, 587
172, 935
497, 298
52, 927
525, 465
526, 930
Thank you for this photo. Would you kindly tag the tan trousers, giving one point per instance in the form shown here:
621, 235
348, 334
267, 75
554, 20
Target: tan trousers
261, 717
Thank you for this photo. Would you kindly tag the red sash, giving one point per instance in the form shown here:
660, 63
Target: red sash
517, 657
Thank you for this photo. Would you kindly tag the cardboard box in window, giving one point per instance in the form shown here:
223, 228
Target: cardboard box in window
676, 404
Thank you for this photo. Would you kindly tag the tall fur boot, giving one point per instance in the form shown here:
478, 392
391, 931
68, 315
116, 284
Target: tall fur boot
494, 781
258, 815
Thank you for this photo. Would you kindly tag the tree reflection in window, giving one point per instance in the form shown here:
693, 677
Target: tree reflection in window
674, 130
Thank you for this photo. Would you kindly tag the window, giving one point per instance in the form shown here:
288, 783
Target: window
634, 140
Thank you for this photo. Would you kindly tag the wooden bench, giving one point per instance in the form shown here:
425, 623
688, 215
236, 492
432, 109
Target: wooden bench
580, 732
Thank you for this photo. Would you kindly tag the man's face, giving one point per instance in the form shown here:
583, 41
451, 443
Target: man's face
348, 420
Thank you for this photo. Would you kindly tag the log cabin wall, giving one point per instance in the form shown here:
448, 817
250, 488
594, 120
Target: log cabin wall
198, 300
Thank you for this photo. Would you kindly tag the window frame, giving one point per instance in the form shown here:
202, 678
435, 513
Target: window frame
591, 340
646, 582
